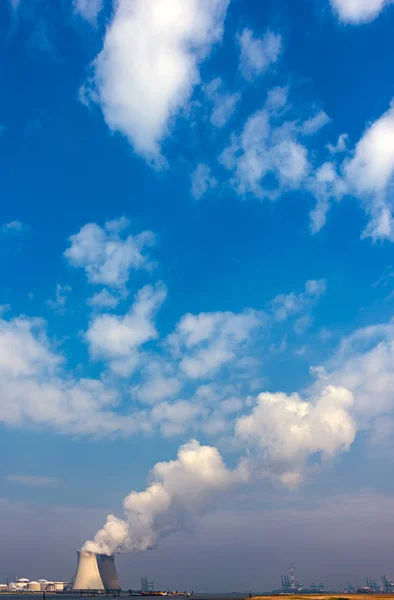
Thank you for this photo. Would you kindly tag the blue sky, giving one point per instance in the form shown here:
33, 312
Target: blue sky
196, 255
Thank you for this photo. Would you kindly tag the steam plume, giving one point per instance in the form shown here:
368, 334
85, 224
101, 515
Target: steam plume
179, 490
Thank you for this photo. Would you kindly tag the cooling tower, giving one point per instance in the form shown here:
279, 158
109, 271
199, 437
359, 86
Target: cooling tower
87, 576
107, 569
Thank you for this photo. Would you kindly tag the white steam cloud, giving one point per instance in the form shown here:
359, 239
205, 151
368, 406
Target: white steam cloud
286, 431
179, 490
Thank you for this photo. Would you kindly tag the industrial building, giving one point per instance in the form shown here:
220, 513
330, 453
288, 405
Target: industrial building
96, 572
26, 585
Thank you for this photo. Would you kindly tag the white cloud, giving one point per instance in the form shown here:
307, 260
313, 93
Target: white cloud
159, 382
23, 348
202, 181
58, 303
32, 480
103, 299
369, 174
302, 324
224, 104
364, 364
14, 227
358, 11
289, 430
340, 146
88, 9
264, 149
326, 185
258, 54
35, 392
149, 63
118, 338
205, 342
277, 98
107, 254
314, 124
175, 418
284, 306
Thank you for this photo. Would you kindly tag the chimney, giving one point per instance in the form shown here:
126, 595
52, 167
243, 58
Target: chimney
87, 576
107, 569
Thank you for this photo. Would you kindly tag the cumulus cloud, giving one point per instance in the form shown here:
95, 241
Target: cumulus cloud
88, 9
369, 174
36, 392
108, 254
118, 338
284, 306
223, 103
258, 54
363, 364
205, 342
263, 149
103, 299
179, 490
153, 45
290, 431
159, 382
202, 181
358, 11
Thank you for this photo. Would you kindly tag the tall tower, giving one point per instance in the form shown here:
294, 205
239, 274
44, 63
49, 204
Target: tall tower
292, 575
107, 570
88, 575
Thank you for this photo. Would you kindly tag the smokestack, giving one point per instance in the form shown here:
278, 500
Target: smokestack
88, 575
107, 569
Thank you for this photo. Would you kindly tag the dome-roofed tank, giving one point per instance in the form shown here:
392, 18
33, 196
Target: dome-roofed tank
33, 586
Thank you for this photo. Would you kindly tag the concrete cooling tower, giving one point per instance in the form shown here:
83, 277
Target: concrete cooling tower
88, 575
107, 569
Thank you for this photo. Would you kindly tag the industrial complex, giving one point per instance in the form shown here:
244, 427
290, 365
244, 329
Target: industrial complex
96, 574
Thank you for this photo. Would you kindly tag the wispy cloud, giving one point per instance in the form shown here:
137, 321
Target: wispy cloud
32, 480
14, 227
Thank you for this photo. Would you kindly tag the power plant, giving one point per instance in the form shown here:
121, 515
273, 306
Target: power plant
107, 569
96, 572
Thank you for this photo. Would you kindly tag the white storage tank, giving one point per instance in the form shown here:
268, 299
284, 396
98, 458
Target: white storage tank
43, 584
33, 586
59, 586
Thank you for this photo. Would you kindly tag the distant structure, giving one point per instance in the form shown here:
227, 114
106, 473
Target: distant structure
108, 574
25, 585
372, 585
147, 586
291, 586
388, 586
285, 583
292, 576
88, 575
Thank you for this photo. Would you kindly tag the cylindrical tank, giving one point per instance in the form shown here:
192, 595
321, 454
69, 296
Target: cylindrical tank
87, 576
58, 585
43, 584
107, 569
33, 586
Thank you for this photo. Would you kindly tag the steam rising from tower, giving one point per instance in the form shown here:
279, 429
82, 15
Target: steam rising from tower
180, 489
